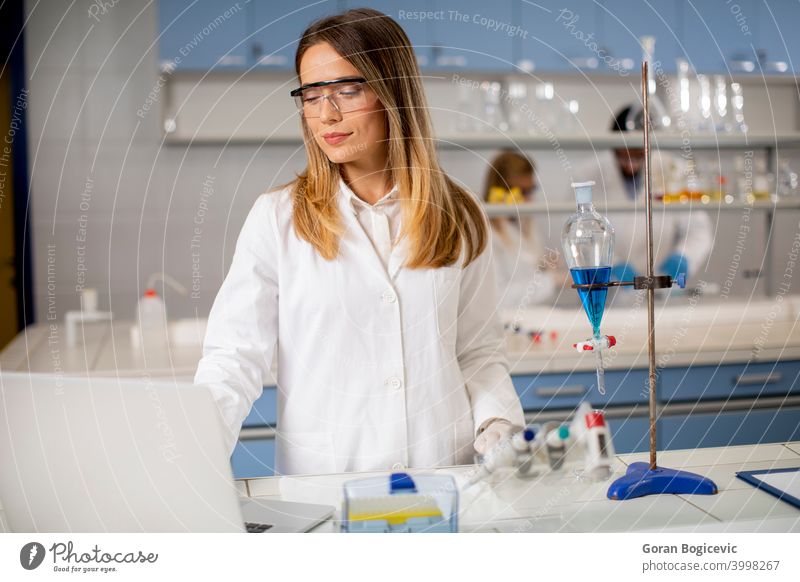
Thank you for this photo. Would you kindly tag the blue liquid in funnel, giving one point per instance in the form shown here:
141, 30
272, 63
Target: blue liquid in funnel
594, 300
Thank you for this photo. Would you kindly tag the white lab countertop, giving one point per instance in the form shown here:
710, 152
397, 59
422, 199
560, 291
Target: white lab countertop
560, 503
686, 334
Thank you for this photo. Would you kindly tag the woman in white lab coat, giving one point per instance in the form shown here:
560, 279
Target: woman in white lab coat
526, 272
682, 241
370, 275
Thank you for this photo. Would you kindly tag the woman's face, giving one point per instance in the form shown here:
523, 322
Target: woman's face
365, 128
525, 182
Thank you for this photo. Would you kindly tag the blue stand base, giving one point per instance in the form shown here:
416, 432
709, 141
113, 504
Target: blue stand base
640, 480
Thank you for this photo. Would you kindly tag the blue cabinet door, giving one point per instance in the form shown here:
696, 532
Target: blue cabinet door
554, 391
630, 434
412, 16
622, 23
472, 34
729, 381
719, 37
265, 409
778, 43
204, 35
277, 27
728, 428
561, 36
254, 458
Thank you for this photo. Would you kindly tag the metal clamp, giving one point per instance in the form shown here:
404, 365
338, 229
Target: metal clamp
656, 282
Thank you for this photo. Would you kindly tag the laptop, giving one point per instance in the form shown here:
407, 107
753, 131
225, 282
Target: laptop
124, 455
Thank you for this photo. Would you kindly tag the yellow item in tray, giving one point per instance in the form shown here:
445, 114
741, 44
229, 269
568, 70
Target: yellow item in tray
400, 503
394, 509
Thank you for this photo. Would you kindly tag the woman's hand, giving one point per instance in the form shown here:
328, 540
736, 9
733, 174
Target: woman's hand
491, 434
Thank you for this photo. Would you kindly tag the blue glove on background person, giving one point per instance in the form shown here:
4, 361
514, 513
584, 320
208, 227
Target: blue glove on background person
673, 265
623, 272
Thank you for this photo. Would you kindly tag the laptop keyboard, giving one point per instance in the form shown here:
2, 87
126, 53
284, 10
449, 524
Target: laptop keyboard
256, 527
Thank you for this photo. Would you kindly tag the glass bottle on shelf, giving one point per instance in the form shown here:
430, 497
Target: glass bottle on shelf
763, 183
660, 117
684, 81
694, 184
788, 185
721, 104
744, 179
737, 108
672, 186
517, 97
493, 113
704, 122
465, 116
716, 185
545, 115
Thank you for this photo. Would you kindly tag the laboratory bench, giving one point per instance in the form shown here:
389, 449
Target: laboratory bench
558, 502
722, 380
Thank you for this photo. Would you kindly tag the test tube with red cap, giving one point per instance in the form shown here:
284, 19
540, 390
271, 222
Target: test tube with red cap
598, 444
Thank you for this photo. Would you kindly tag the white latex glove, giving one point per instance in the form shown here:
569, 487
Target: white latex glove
492, 434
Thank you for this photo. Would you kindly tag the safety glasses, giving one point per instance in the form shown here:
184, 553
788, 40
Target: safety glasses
346, 95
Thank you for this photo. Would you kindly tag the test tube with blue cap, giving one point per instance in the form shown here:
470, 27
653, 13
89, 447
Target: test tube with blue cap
510, 452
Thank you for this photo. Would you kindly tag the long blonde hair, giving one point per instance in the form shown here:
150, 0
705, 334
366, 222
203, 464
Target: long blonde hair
439, 217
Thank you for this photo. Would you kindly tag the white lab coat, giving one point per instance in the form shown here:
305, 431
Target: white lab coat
689, 233
376, 370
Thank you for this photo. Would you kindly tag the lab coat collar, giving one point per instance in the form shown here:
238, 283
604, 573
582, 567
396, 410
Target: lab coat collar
357, 203
348, 206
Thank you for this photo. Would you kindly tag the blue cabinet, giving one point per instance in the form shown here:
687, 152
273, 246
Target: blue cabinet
472, 34
553, 391
256, 458
253, 458
631, 434
569, 36
718, 37
204, 35
742, 36
778, 44
276, 29
622, 23
560, 36
412, 16
265, 410
721, 429
728, 381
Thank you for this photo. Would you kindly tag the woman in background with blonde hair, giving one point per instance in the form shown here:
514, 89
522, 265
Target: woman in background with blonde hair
370, 274
525, 270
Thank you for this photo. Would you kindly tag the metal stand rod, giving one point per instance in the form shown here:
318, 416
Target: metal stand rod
647, 478
651, 332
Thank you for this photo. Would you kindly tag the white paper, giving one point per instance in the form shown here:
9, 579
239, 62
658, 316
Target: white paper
786, 481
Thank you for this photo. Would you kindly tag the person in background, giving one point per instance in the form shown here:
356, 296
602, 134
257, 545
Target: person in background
682, 241
525, 270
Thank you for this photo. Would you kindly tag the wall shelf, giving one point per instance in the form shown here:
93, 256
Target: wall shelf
543, 207
668, 141
661, 140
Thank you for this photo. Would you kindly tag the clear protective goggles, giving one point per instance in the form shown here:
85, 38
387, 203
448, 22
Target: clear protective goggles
346, 94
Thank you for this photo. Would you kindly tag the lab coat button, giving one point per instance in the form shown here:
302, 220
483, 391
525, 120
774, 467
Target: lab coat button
393, 382
389, 296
